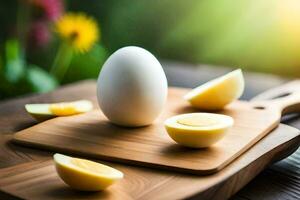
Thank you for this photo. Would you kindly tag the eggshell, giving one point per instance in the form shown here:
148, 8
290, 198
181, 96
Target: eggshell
132, 87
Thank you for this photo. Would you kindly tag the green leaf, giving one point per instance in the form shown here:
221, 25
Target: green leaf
1, 69
15, 66
40, 80
12, 49
14, 70
87, 65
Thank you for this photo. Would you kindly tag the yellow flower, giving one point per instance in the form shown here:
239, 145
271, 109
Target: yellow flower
79, 30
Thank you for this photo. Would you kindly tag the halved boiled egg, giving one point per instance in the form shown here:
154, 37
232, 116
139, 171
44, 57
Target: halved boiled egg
217, 93
70, 108
198, 130
85, 175
45, 111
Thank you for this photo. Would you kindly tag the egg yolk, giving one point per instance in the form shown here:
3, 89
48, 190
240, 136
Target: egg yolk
90, 166
197, 121
63, 109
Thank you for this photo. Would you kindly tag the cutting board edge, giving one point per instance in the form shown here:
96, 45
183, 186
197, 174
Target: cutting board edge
120, 160
18, 139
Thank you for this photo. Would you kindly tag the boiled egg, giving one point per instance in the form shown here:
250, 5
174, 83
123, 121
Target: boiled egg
132, 87
198, 130
42, 112
85, 175
217, 93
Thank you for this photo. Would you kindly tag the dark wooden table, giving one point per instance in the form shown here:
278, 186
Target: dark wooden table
279, 181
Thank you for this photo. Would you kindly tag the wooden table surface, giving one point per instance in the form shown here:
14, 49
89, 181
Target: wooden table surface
279, 181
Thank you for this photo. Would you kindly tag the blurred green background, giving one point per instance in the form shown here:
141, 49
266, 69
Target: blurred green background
251, 34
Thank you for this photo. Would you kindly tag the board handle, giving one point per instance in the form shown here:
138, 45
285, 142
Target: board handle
285, 98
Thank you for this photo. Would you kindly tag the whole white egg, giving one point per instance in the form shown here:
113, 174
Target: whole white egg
132, 87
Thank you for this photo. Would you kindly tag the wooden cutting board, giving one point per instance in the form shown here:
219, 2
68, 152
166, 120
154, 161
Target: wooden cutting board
92, 135
38, 179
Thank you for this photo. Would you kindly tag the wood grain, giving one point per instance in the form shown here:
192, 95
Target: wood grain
38, 179
92, 135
